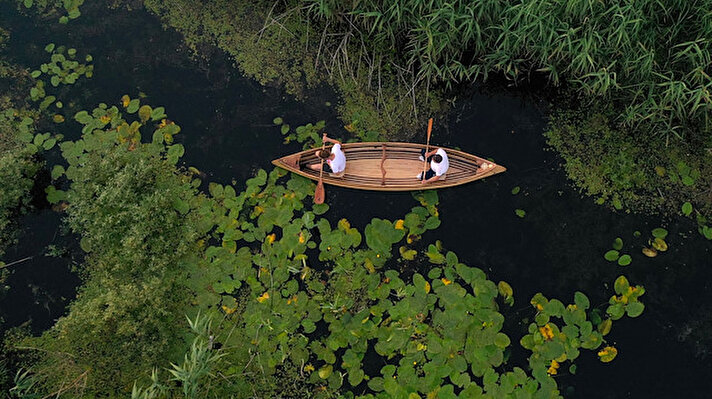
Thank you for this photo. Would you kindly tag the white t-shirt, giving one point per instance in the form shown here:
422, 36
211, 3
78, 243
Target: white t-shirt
440, 168
338, 164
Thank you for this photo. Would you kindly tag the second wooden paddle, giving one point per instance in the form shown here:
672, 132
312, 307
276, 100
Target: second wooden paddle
427, 144
319, 194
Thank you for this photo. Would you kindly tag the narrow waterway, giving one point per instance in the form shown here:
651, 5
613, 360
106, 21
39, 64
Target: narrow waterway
556, 248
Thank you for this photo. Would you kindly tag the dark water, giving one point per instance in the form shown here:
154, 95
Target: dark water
556, 249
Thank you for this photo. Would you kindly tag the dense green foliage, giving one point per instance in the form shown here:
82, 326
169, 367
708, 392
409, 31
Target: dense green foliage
121, 200
436, 335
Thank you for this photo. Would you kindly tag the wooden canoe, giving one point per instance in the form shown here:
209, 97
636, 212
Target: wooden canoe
384, 166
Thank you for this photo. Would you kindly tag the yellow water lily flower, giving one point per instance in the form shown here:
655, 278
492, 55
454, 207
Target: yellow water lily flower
553, 368
125, 100
302, 238
344, 224
105, 119
546, 332
228, 310
399, 224
446, 281
263, 297
427, 287
292, 300
309, 368
270, 238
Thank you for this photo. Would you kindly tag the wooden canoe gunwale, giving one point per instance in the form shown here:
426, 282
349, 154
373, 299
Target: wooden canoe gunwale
464, 167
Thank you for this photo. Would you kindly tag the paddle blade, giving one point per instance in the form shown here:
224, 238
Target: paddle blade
319, 193
430, 127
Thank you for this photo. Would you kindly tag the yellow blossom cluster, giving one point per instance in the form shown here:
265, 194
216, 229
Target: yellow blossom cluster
553, 368
229, 310
546, 332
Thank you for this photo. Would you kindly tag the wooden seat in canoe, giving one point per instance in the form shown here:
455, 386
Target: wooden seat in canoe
391, 167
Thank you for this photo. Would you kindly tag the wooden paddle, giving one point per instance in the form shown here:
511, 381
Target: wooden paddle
319, 193
427, 144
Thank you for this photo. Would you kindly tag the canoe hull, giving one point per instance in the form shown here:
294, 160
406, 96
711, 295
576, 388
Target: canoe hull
389, 166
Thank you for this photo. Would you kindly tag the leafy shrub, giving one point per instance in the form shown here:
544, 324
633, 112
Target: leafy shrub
132, 209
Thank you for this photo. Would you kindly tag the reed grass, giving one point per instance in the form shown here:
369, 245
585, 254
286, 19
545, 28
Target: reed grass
650, 57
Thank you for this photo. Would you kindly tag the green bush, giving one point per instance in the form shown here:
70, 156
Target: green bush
126, 201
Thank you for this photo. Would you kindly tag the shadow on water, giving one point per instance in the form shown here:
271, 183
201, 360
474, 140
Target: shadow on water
556, 249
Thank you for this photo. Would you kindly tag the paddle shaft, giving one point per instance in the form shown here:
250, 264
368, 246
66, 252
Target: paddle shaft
427, 145
319, 193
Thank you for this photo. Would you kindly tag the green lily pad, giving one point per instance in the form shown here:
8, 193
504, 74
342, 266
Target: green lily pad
611, 255
325, 371
618, 243
687, 209
634, 309
505, 289
659, 232
621, 285
625, 260
581, 300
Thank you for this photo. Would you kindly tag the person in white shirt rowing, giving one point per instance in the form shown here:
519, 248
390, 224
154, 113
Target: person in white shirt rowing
335, 158
438, 165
